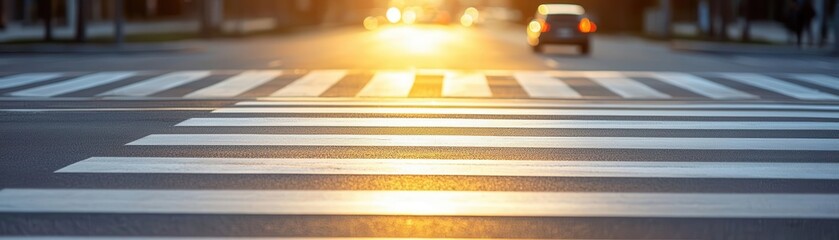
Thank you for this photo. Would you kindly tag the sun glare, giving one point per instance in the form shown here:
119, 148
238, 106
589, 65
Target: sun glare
393, 15
415, 39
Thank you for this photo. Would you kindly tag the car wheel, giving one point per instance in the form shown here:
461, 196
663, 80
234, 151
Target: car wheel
585, 49
538, 48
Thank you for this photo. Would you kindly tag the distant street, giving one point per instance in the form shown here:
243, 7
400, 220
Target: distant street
426, 47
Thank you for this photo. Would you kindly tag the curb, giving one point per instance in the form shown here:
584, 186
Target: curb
93, 48
743, 48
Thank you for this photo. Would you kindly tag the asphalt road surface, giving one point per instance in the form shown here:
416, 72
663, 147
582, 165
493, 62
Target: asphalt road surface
464, 133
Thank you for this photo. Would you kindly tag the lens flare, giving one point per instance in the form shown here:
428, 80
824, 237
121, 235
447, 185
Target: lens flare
471, 11
371, 23
534, 26
393, 15
409, 17
466, 20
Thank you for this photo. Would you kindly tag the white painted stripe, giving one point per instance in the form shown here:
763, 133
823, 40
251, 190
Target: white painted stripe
779, 86
819, 79
237, 84
465, 85
389, 84
27, 78
221, 238
508, 168
515, 103
157, 84
313, 84
502, 123
426, 203
624, 86
76, 84
778, 144
702, 86
543, 85
153, 109
533, 112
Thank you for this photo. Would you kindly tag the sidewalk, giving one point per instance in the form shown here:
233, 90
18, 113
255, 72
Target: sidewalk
774, 38
131, 48
746, 48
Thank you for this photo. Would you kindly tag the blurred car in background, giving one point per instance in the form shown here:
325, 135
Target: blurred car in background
560, 24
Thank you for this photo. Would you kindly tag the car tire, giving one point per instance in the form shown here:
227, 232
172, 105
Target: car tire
538, 48
585, 48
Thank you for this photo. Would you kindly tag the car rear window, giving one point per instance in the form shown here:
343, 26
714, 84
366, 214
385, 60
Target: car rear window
563, 18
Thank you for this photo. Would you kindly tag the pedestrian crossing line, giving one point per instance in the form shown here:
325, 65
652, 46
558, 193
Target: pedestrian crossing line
389, 84
424, 167
701, 86
226, 238
543, 85
421, 203
530, 112
502, 123
312, 84
27, 78
650, 143
819, 79
779, 86
72, 85
465, 85
623, 86
399, 84
158, 84
237, 84
515, 103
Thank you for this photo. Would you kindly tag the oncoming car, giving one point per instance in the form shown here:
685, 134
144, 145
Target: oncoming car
560, 24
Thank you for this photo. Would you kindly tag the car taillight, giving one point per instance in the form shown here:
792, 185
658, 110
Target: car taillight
586, 26
546, 27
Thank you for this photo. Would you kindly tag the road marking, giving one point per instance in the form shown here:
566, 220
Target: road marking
465, 85
779, 86
551, 63
27, 78
531, 112
623, 86
237, 84
502, 123
313, 84
774, 144
420, 203
103, 109
819, 79
702, 86
76, 84
228, 238
388, 84
157, 84
516, 103
508, 168
543, 85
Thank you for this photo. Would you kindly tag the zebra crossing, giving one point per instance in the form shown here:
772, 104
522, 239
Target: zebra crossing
506, 124
206, 84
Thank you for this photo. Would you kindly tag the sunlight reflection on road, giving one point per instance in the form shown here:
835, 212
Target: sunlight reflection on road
418, 40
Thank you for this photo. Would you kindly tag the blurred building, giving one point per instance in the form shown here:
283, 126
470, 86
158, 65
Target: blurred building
26, 19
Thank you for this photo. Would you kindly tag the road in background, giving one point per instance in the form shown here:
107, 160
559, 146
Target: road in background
421, 46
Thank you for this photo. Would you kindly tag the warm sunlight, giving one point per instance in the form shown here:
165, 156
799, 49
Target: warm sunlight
416, 203
416, 39
393, 15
